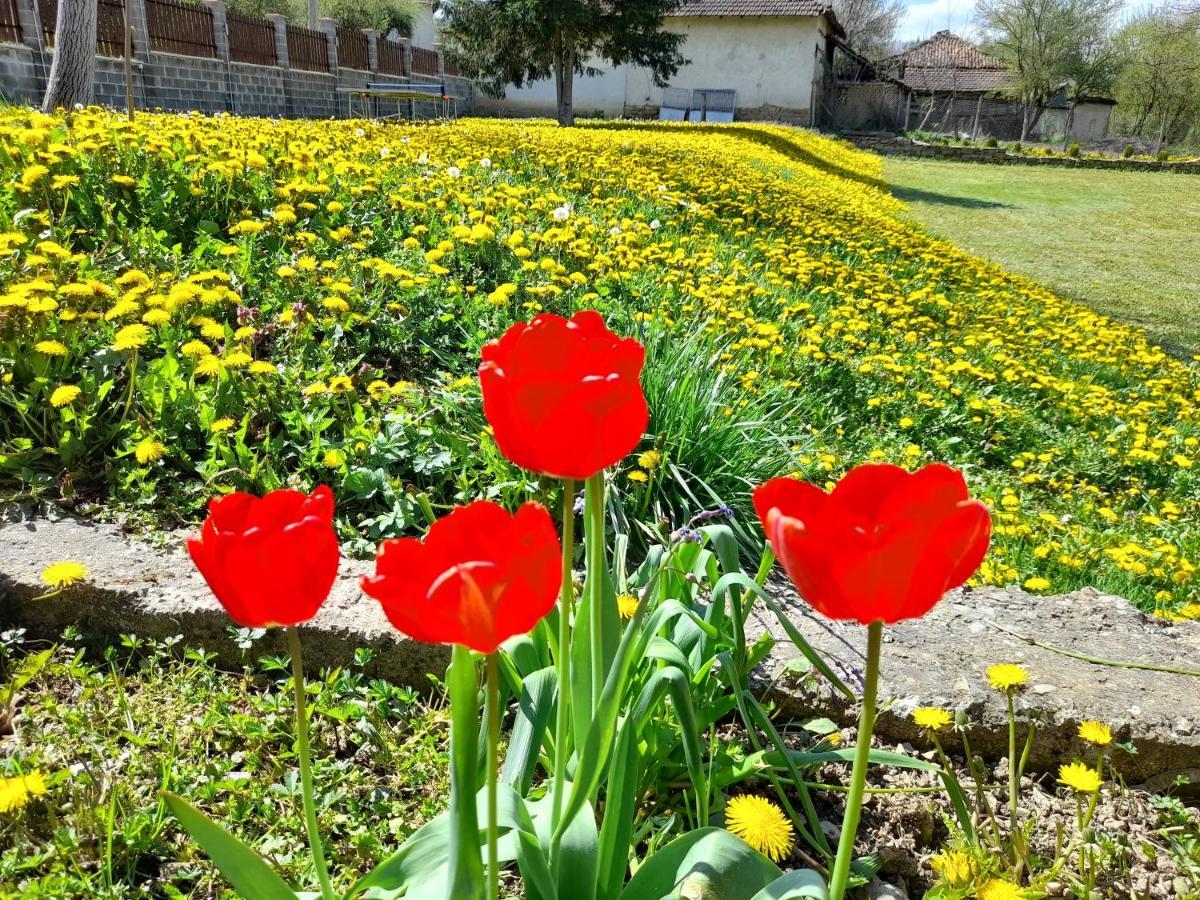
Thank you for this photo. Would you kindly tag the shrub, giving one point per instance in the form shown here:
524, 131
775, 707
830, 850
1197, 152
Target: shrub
1163, 155
1073, 151
1016, 147
990, 142
1128, 151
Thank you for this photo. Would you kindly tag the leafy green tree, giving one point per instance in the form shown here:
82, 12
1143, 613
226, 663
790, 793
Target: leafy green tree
382, 15
503, 42
1049, 44
1158, 84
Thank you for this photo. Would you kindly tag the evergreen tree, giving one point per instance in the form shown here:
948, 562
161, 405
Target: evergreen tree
503, 42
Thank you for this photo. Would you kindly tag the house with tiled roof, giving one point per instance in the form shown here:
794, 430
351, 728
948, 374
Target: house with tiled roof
769, 58
945, 63
947, 85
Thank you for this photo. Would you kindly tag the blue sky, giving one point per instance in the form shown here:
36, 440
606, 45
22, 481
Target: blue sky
927, 16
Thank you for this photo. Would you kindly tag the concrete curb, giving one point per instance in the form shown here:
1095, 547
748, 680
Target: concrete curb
155, 591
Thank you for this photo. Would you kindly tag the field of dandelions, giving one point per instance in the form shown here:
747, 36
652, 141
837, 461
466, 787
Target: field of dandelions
192, 304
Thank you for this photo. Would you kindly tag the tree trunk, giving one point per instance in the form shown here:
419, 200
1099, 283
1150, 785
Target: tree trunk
564, 82
1067, 127
73, 72
1024, 123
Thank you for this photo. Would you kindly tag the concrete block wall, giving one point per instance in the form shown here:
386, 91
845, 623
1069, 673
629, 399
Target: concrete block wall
176, 82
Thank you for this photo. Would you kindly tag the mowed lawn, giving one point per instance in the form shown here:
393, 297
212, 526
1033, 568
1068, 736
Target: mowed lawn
1125, 243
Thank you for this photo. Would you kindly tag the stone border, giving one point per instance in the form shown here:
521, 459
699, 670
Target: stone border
154, 591
894, 146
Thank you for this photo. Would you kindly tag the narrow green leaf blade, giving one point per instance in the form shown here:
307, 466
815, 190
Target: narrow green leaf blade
246, 870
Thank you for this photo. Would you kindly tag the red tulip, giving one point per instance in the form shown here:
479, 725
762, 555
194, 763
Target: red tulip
270, 561
563, 397
480, 576
883, 545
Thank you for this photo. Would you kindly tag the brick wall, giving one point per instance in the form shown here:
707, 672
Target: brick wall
175, 82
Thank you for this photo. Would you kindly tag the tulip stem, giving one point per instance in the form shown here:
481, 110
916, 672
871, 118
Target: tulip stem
306, 779
493, 757
566, 595
596, 566
858, 777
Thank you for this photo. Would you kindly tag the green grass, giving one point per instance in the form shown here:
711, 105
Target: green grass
1125, 243
110, 732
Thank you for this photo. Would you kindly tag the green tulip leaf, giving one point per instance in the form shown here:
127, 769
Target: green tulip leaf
707, 862
249, 874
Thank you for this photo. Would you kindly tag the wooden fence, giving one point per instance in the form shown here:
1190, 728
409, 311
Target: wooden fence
179, 27
424, 62
391, 58
184, 27
10, 22
353, 50
110, 25
251, 39
307, 49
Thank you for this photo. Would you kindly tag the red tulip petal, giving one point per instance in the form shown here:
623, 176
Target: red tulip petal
974, 536
804, 555
794, 498
931, 491
856, 499
228, 513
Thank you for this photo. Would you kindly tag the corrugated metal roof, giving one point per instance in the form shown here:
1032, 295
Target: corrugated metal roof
741, 8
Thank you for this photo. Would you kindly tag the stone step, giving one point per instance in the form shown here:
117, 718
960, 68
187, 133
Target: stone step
941, 660
154, 591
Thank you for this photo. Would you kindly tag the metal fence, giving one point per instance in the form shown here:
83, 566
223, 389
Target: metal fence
179, 27
10, 22
391, 58
110, 26
424, 62
251, 39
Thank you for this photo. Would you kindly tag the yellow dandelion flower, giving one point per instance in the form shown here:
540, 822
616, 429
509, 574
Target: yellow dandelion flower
333, 458
51, 348
262, 367
953, 867
209, 365
1095, 732
997, 889
220, 426
1006, 676
627, 605
131, 337
761, 824
1037, 585
148, 450
63, 574
933, 718
650, 459
63, 395
639, 476
1080, 778
18, 791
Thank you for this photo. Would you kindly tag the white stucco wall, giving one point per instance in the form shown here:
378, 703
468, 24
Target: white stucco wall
424, 26
770, 62
774, 64
604, 92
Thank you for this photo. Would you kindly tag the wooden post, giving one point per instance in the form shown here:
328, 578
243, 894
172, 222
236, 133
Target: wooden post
975, 127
